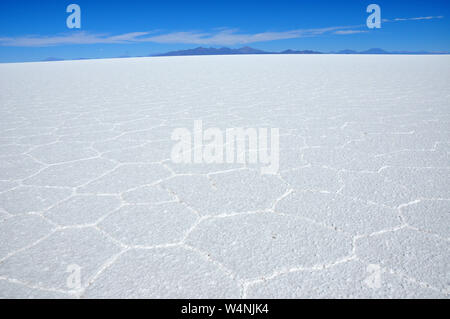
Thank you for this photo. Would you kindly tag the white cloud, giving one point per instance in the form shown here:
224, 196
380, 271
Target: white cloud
72, 38
219, 36
413, 19
344, 32
232, 36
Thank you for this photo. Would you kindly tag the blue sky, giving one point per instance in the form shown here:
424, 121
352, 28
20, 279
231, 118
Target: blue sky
35, 30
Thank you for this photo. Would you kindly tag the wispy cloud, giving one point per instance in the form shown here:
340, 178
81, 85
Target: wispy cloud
219, 36
69, 38
344, 32
413, 19
233, 36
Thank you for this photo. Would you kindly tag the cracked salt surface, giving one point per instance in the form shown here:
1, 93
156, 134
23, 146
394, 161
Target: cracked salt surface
86, 178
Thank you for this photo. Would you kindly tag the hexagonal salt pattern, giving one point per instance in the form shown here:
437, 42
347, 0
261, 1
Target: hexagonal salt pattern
129, 175
25, 199
18, 290
271, 243
417, 255
144, 225
83, 209
148, 195
150, 274
351, 279
46, 264
71, 174
91, 204
18, 167
20, 231
228, 192
340, 212
432, 216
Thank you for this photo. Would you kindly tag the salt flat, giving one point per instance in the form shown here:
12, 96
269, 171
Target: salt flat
360, 206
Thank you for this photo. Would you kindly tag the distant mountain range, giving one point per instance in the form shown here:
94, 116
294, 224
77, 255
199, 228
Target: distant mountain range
228, 51
381, 51
50, 59
249, 50
213, 51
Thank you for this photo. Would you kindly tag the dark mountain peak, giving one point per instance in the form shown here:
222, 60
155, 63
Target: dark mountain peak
250, 50
50, 59
374, 51
347, 52
213, 51
300, 52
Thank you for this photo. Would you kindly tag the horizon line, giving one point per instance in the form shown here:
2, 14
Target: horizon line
260, 52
